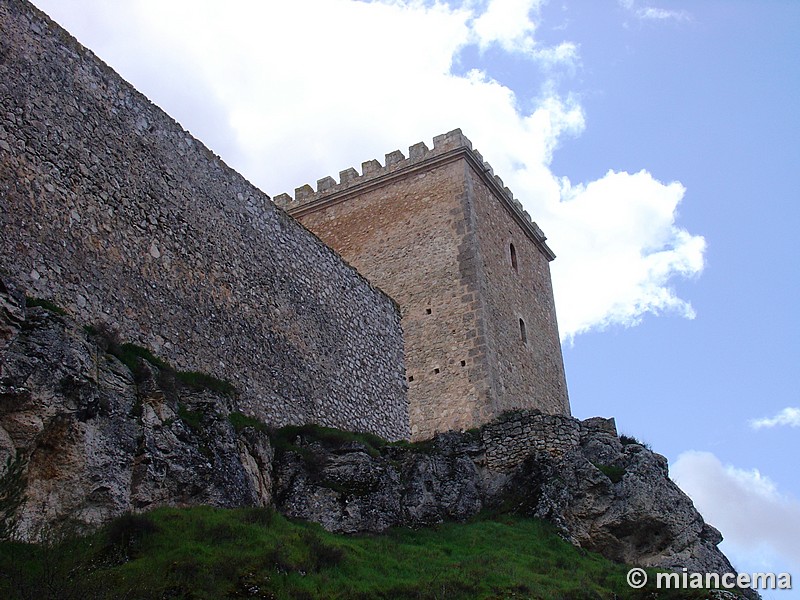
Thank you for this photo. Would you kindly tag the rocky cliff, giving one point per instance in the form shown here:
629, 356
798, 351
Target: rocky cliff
100, 439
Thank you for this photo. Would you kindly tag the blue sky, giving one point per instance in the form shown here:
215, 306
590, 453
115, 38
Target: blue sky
656, 143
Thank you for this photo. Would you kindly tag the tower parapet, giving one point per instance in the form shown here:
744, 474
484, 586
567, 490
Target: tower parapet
445, 146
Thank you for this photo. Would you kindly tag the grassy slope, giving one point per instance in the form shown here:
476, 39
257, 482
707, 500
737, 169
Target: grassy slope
254, 553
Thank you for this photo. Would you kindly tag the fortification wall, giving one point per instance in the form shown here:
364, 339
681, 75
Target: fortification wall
115, 212
434, 230
444, 359
515, 435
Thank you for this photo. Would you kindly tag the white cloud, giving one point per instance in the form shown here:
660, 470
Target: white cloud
788, 416
651, 13
761, 526
622, 249
509, 24
662, 13
291, 92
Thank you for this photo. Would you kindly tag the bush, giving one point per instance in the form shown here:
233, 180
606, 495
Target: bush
283, 438
629, 439
614, 473
127, 532
12, 495
240, 421
199, 380
193, 418
132, 355
258, 515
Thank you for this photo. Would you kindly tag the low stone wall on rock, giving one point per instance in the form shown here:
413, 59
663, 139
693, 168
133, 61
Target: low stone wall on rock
514, 435
114, 211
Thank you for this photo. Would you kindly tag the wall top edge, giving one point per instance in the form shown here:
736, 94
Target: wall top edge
452, 142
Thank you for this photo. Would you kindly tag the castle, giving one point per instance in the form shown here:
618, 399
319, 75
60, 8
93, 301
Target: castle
116, 213
440, 233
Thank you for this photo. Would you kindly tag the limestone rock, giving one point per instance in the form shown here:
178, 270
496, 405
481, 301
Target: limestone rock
602, 495
100, 440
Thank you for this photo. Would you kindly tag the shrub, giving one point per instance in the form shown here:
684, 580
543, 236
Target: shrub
199, 380
193, 418
12, 495
126, 532
283, 438
258, 515
629, 439
132, 355
614, 473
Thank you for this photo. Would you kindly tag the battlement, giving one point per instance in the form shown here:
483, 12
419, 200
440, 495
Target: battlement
446, 147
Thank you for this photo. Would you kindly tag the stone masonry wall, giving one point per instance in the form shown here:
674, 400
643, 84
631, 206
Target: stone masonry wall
517, 434
433, 230
115, 212
444, 357
518, 295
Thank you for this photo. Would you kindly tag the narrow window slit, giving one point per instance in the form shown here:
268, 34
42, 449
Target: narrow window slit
513, 256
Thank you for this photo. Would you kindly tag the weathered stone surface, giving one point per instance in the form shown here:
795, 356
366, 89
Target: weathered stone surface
602, 495
114, 211
100, 442
471, 274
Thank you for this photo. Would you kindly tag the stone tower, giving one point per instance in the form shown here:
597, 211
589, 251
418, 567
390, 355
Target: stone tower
440, 234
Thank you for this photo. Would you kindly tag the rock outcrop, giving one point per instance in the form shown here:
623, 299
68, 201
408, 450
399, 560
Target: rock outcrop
603, 495
101, 439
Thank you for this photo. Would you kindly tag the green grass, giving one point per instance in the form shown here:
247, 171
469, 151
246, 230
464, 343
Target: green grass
131, 356
284, 438
45, 304
204, 381
240, 421
255, 553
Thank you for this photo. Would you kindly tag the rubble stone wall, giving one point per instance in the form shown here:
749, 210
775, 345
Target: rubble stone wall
112, 210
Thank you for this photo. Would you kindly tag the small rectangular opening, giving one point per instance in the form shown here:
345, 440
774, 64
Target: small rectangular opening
427, 311
436, 370
463, 363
